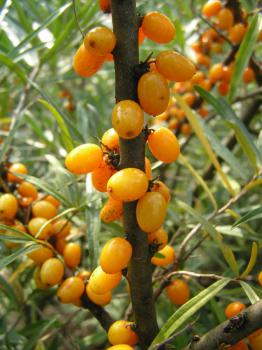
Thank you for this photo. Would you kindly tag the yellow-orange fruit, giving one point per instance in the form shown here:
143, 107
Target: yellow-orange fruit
197, 77
216, 48
173, 124
52, 271
102, 282
52, 200
120, 347
127, 119
85, 64
101, 175
167, 256
189, 98
99, 299
105, 6
72, 254
174, 66
26, 189
121, 332
36, 224
100, 41
8, 206
225, 19
158, 27
234, 308
178, 292
160, 187
18, 168
259, 278
128, 184
255, 340
44, 209
203, 112
60, 245
223, 88
84, 159
186, 129
115, 255
237, 33
41, 254
226, 74
164, 145
216, 72
71, 290
37, 278
248, 75
240, 346
148, 169
153, 93
159, 238
18, 226
151, 211
110, 139
203, 60
112, 210
61, 228
84, 275
211, 8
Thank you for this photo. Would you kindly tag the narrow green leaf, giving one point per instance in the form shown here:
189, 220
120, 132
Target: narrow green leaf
230, 258
189, 309
251, 294
253, 214
17, 233
10, 258
244, 53
9, 291
13, 67
252, 261
94, 226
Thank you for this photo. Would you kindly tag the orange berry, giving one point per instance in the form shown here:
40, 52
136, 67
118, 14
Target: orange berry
18, 168
158, 27
206, 84
52, 271
72, 255
17, 225
60, 245
196, 47
259, 277
153, 93
128, 184
225, 19
121, 332
237, 33
44, 209
127, 119
8, 206
85, 64
71, 290
99, 299
178, 292
211, 8
25, 201
216, 48
174, 66
186, 129
151, 211
173, 124
216, 72
148, 169
203, 60
158, 238
41, 254
223, 88
164, 145
255, 340
111, 140
26, 189
239, 346
189, 98
84, 159
105, 6
61, 228
248, 75
52, 200
36, 224
234, 308
37, 278
203, 112
120, 347
115, 255
112, 210
197, 77
160, 187
167, 256
141, 36
101, 175
100, 41
102, 282
226, 74
84, 275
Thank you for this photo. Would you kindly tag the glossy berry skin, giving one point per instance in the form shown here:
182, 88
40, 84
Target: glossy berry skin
84, 159
41, 254
26, 189
237, 33
110, 139
61, 228
105, 6
85, 64
120, 347
168, 253
111, 211
158, 238
98, 299
60, 245
178, 292
186, 129
151, 211
127, 119
211, 8
101, 175
225, 19
259, 278
52, 272
226, 74
248, 75
121, 332
153, 93
8, 206
71, 290
240, 346
234, 308
115, 255
255, 340
164, 145
18, 168
148, 168
100, 41
35, 225
52, 200
128, 184
72, 255
174, 66
223, 88
158, 27
44, 209
102, 282
216, 72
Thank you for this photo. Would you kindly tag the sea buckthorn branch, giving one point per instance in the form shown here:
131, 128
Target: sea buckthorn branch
235, 7
132, 152
231, 331
216, 30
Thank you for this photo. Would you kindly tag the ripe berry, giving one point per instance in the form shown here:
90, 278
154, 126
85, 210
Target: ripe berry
60, 245
174, 66
223, 88
248, 75
71, 290
120, 347
105, 6
121, 332
16, 168
203, 112
216, 72
128, 184
41, 254
110, 139
115, 255
153, 93
225, 19
26, 189
240, 346
168, 256
44, 209
186, 129
101, 175
52, 271
211, 8
189, 98
99, 299
72, 255
84, 275
158, 27
85, 64
164, 145
226, 74
236, 33
148, 169
127, 119
178, 292
61, 228
197, 77
52, 200
18, 226
203, 60
36, 224
8, 206
255, 340
151, 211
160, 187
100, 41
159, 238
111, 211
234, 308
102, 282
259, 277
84, 159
